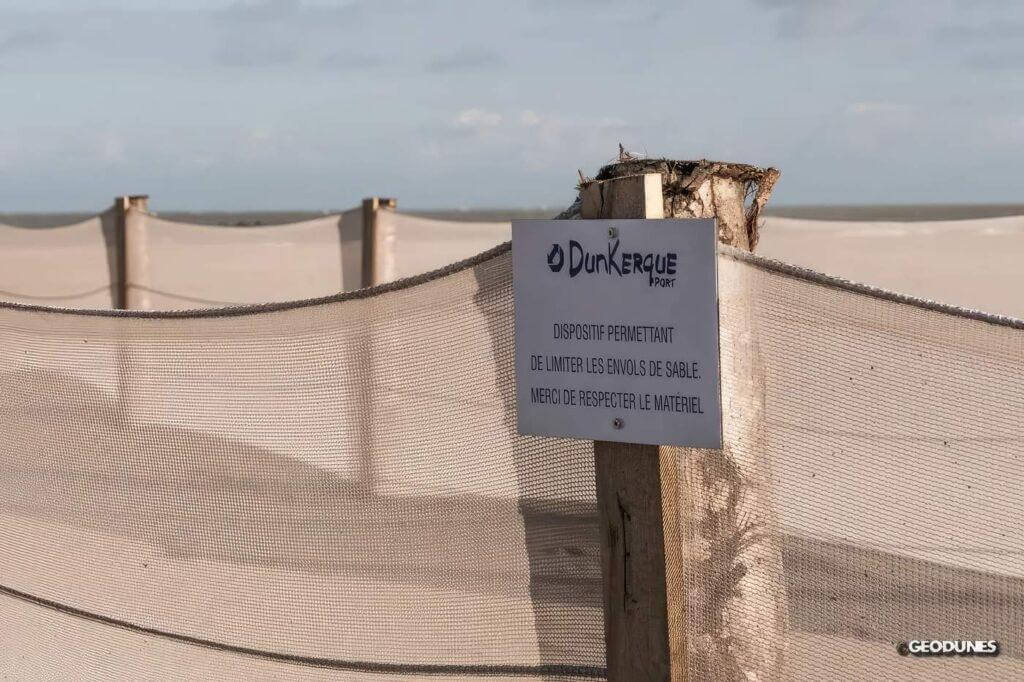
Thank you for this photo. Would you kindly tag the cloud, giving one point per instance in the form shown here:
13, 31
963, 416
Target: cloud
465, 59
624, 15
808, 19
878, 127
553, 138
347, 60
28, 39
529, 118
545, 5
980, 33
277, 32
991, 46
111, 149
239, 51
244, 16
535, 140
873, 108
997, 58
91, 148
477, 119
261, 12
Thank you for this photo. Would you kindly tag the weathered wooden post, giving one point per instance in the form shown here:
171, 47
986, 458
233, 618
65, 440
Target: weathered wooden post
133, 267
692, 583
133, 252
645, 633
371, 248
369, 275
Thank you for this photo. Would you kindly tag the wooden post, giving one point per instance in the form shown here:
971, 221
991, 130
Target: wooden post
132, 259
133, 251
120, 213
371, 247
733, 620
637, 493
365, 352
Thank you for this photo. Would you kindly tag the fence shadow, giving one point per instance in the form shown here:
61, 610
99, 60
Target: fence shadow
538, 462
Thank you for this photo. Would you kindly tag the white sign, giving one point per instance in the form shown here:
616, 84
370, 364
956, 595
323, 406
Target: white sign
616, 330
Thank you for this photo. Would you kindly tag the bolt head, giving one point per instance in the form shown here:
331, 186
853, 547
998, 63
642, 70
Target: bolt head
613, 232
618, 423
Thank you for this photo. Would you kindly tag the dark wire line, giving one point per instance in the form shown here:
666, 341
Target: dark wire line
579, 671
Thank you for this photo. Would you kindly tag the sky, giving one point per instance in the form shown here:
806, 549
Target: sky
291, 104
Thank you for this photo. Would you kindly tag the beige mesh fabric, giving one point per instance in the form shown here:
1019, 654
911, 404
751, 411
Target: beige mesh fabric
202, 266
72, 266
409, 245
971, 263
896, 439
335, 489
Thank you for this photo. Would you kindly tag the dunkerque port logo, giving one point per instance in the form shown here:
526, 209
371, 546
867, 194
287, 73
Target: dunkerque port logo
658, 268
556, 258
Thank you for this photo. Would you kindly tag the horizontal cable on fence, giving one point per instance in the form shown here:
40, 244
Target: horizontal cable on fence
894, 437
277, 306
57, 297
895, 548
760, 262
831, 281
257, 226
181, 297
581, 671
29, 229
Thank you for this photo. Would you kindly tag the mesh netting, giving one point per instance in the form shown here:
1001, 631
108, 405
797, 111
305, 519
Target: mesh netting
895, 439
73, 266
339, 484
200, 266
970, 263
409, 245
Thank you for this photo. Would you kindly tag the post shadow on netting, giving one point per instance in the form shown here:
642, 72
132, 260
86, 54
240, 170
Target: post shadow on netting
561, 535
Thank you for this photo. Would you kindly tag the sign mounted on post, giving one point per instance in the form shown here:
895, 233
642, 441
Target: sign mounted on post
616, 330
